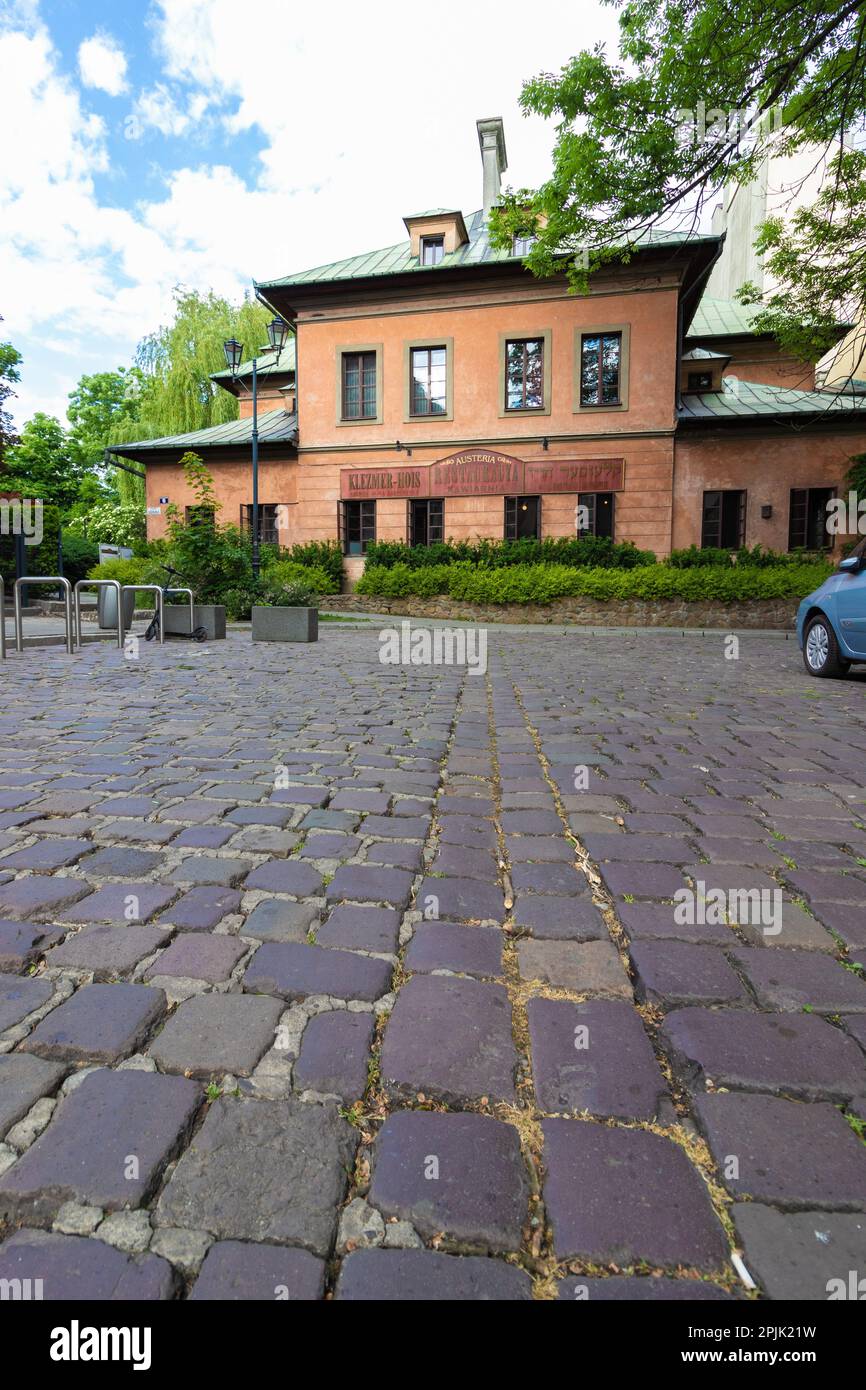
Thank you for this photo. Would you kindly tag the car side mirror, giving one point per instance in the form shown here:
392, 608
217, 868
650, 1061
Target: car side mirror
852, 565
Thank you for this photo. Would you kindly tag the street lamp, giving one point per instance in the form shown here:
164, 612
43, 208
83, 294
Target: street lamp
234, 352
277, 333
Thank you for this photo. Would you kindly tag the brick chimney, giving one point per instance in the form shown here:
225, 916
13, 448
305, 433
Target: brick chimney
491, 138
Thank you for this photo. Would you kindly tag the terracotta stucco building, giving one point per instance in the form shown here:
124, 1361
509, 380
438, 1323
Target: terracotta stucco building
436, 389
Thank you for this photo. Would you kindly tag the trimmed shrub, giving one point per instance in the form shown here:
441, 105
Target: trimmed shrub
139, 570
325, 556
698, 558
316, 579
398, 581
756, 558
595, 551
239, 602
543, 583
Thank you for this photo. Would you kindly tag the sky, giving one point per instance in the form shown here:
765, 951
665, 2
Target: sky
205, 143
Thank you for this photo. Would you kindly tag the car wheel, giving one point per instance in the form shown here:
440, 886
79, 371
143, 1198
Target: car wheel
821, 650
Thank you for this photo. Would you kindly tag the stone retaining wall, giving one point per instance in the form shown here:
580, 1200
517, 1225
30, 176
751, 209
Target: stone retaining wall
582, 612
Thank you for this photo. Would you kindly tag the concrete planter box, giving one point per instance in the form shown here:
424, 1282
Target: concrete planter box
285, 624
210, 616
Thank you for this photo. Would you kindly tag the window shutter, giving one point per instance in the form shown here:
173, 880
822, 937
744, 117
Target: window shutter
797, 517
712, 520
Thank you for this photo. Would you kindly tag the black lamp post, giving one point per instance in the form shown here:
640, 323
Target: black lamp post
277, 333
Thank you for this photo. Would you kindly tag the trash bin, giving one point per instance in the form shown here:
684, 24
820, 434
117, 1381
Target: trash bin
106, 608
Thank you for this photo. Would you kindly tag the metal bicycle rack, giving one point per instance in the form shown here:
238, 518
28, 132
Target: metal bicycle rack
2, 619
148, 589
67, 599
191, 606
98, 584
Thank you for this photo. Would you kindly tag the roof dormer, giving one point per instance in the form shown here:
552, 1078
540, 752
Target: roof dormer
701, 371
435, 234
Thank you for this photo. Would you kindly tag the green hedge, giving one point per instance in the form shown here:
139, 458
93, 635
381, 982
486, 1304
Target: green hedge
312, 577
544, 583
293, 593
756, 558
595, 551
317, 555
399, 580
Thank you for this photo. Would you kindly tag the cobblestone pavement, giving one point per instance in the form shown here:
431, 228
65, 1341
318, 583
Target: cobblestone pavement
325, 976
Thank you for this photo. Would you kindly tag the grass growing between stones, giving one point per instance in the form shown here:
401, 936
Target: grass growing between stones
370, 1111
683, 1132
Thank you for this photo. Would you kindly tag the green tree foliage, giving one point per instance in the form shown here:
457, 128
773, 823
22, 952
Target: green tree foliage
10, 359
167, 390
97, 407
856, 477
130, 488
701, 89
173, 390
101, 405
211, 557
112, 523
818, 259
41, 464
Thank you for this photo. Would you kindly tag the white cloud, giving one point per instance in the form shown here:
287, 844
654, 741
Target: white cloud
373, 110
160, 108
361, 120
102, 64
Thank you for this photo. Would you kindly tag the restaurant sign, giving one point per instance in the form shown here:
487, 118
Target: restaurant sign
361, 484
483, 473
575, 475
476, 473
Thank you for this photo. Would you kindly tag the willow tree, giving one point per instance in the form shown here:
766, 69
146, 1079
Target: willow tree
173, 366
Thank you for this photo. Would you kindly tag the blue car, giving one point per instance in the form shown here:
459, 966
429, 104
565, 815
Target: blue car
831, 622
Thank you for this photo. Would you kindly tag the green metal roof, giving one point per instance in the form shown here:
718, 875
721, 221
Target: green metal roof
754, 400
721, 318
398, 260
275, 427
727, 318
434, 212
701, 355
268, 363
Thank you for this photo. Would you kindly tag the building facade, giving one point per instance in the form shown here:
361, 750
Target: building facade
438, 390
